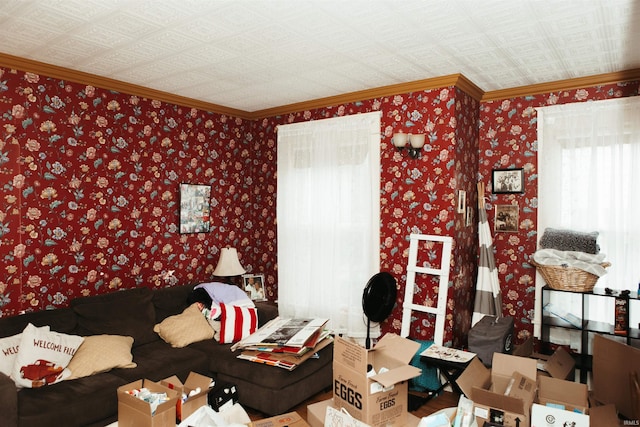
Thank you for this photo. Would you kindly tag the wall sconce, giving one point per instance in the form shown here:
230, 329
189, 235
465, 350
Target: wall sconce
416, 142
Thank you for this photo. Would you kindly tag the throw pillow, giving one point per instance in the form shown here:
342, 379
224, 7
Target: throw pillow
43, 357
8, 351
101, 353
184, 328
237, 323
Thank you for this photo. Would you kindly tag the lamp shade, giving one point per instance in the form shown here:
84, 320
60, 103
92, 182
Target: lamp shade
416, 140
228, 264
399, 139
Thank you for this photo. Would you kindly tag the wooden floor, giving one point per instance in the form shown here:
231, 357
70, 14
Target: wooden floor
446, 400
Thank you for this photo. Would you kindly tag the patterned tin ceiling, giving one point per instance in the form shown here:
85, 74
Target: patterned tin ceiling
253, 55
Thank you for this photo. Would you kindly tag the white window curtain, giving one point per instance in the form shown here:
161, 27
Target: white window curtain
589, 180
328, 213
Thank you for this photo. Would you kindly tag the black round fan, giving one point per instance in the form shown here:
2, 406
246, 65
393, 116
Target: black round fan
378, 299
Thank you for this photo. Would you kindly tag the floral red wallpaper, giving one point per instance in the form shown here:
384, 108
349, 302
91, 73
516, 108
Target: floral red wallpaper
90, 182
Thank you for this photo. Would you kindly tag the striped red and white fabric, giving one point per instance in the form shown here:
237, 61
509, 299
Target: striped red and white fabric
237, 322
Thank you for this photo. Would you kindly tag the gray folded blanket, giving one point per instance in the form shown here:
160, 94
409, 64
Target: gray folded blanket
570, 240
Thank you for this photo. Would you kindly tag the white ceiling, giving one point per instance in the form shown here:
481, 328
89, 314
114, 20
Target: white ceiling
253, 55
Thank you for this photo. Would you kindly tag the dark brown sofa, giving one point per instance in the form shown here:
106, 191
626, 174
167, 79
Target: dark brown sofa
92, 401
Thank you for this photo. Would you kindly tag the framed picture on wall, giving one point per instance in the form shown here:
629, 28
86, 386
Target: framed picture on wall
195, 208
254, 286
506, 218
508, 181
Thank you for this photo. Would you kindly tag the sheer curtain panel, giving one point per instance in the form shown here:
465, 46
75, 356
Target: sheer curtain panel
328, 213
589, 180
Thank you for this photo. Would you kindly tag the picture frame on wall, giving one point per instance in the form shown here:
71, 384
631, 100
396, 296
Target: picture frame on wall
506, 218
253, 285
195, 208
507, 181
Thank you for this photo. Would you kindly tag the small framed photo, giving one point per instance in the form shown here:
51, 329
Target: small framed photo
506, 219
508, 181
254, 286
195, 208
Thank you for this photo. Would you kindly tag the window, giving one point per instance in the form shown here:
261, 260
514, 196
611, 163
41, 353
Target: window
328, 213
589, 180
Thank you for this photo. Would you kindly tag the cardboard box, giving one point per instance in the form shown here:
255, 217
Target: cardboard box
380, 399
290, 419
547, 416
604, 416
562, 394
316, 414
503, 394
135, 412
193, 382
559, 365
614, 366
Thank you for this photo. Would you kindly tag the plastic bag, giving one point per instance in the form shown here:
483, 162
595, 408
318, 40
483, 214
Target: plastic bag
341, 418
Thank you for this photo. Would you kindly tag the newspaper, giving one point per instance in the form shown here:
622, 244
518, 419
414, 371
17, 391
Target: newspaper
281, 332
284, 360
449, 354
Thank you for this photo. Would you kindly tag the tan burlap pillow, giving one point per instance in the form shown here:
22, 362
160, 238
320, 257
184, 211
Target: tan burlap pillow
184, 328
101, 353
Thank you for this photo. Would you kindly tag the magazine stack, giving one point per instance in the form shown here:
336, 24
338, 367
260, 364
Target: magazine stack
285, 343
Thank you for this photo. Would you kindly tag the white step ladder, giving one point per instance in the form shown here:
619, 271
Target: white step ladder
440, 310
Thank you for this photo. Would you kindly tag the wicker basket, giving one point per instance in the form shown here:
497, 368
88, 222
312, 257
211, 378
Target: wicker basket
565, 278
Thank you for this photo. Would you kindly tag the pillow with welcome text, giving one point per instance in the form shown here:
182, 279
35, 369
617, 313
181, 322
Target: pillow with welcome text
43, 357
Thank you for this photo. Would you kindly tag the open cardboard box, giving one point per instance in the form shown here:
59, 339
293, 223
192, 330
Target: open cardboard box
290, 419
193, 382
603, 416
599, 416
503, 394
563, 394
135, 412
380, 399
541, 414
615, 365
316, 413
559, 365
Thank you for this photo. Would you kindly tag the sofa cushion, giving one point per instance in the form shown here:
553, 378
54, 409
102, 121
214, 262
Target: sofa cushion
225, 362
43, 356
61, 320
101, 353
158, 360
170, 301
80, 402
266, 311
185, 328
127, 313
